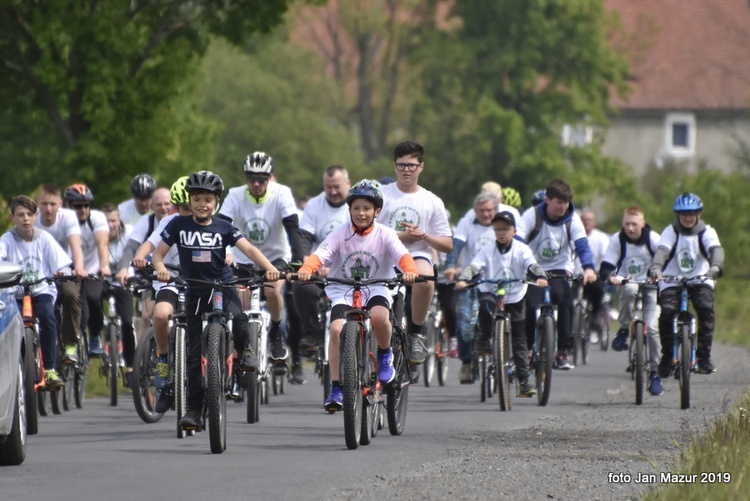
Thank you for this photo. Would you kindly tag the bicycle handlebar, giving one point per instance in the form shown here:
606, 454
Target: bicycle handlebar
50, 279
358, 282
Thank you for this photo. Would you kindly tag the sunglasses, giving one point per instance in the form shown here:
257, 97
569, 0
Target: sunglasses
257, 179
80, 206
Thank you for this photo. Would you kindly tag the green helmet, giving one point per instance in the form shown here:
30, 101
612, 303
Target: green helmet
511, 197
177, 193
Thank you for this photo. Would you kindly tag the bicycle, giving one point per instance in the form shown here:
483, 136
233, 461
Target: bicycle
545, 344
111, 360
639, 353
684, 332
436, 342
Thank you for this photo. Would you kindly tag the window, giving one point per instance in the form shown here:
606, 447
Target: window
577, 135
679, 135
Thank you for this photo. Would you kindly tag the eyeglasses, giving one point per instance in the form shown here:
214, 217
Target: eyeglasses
257, 179
502, 230
80, 206
689, 213
400, 166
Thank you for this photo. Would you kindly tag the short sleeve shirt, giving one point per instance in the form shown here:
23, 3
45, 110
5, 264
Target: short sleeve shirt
320, 218
65, 225
97, 223
511, 265
42, 257
688, 261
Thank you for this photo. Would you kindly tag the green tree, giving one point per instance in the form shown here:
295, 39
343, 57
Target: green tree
113, 81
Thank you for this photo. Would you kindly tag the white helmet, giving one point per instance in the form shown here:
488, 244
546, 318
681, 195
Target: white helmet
258, 163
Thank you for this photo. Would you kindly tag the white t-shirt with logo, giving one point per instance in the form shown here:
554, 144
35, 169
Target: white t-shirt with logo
552, 247
261, 222
511, 265
637, 258
688, 261
475, 236
319, 218
42, 257
423, 208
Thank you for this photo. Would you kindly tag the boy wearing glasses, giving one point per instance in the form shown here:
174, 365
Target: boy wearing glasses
418, 216
266, 214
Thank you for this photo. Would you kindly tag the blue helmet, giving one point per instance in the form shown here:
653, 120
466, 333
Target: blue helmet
687, 202
538, 197
369, 189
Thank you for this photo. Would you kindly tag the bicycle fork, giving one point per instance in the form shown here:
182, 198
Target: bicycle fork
682, 318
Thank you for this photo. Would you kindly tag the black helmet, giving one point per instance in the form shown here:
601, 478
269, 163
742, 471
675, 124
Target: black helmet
78, 193
205, 180
369, 189
143, 186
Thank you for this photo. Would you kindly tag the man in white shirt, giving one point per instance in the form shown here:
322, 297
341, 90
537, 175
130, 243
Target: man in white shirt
598, 243
142, 187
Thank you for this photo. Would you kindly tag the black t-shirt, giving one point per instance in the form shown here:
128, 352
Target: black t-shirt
202, 249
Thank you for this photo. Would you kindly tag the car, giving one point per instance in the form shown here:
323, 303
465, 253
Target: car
13, 424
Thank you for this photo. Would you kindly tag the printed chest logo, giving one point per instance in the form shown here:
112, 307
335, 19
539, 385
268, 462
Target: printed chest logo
403, 215
480, 243
31, 266
200, 239
685, 260
328, 227
360, 264
257, 231
505, 274
636, 266
549, 249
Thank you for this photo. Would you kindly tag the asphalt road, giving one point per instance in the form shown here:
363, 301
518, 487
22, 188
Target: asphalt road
453, 446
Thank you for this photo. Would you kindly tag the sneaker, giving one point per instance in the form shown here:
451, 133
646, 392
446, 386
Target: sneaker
665, 367
95, 346
655, 386
417, 350
71, 354
386, 372
482, 346
192, 420
249, 360
705, 366
563, 362
236, 392
298, 375
593, 337
52, 380
526, 389
278, 350
453, 352
335, 401
620, 342
161, 376
163, 403
466, 375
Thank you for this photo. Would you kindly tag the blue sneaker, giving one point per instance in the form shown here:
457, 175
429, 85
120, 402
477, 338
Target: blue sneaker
620, 342
386, 372
335, 401
161, 376
95, 346
655, 387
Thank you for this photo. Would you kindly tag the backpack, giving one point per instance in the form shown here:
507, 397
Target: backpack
701, 247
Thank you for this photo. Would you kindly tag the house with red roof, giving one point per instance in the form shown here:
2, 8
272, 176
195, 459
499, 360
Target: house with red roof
690, 81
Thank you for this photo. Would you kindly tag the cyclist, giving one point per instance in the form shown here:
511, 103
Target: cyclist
265, 212
470, 236
555, 233
505, 258
166, 295
41, 256
629, 253
95, 245
62, 224
497, 190
594, 291
512, 197
119, 233
689, 248
322, 214
142, 187
201, 242
365, 249
418, 216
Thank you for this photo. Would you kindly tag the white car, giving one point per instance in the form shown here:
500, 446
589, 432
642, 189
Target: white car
12, 390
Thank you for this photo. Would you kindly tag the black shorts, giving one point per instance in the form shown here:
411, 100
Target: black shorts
167, 295
339, 311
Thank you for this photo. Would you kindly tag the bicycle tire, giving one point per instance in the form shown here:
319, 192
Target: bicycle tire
639, 330
604, 331
686, 355
265, 390
179, 335
579, 324
588, 322
82, 370
351, 352
441, 357
369, 371
67, 373
546, 329
144, 391
30, 370
326, 379
251, 378
501, 364
398, 392
428, 367
113, 338
215, 397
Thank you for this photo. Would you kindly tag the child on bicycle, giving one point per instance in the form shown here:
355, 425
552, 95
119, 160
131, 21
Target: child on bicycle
629, 254
365, 249
201, 242
505, 258
689, 248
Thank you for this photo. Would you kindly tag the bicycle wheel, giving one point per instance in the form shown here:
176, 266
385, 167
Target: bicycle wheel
326, 379
501, 363
144, 369
588, 323
215, 398
251, 378
428, 367
579, 324
441, 356
351, 364
638, 363
82, 371
180, 377
604, 331
31, 377
546, 360
398, 390
686, 355
68, 374
369, 377
113, 338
